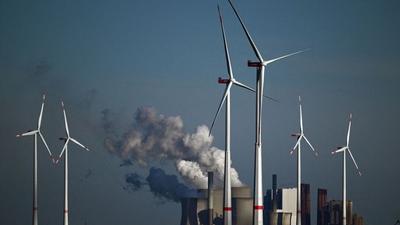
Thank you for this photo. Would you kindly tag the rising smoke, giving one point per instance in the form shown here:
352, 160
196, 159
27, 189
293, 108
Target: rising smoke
154, 137
164, 186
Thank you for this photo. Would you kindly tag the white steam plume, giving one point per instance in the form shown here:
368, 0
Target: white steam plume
155, 137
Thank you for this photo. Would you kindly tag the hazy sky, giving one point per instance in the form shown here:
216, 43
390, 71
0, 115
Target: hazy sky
121, 55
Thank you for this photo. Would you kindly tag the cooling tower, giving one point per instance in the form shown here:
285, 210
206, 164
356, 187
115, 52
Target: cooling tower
195, 209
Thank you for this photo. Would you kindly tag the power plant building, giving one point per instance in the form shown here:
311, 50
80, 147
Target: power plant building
195, 209
331, 212
281, 205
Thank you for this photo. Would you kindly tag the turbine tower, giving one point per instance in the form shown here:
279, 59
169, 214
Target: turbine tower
297, 146
35, 159
260, 65
345, 149
67, 139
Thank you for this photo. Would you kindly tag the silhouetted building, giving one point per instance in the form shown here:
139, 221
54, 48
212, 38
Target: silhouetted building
305, 204
280, 205
331, 212
322, 216
357, 220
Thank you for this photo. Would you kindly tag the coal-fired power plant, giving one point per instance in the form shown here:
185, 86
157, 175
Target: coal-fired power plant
195, 209
207, 205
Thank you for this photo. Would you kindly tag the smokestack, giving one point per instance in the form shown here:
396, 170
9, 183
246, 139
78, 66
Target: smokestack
274, 190
210, 197
274, 214
322, 197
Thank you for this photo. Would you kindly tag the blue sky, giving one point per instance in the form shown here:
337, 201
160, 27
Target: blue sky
122, 55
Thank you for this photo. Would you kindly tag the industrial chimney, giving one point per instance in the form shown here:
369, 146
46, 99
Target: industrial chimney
274, 213
210, 197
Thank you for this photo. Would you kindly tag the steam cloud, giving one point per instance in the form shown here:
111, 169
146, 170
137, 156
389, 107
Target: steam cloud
157, 137
162, 185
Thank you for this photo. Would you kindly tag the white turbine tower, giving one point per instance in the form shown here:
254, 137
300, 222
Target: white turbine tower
300, 136
67, 139
35, 159
260, 65
344, 150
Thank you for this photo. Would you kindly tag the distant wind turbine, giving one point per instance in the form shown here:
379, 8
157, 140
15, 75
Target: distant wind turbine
300, 136
35, 133
67, 139
345, 149
260, 65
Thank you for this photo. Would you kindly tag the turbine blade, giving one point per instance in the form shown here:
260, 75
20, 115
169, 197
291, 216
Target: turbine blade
65, 119
348, 131
339, 150
41, 113
354, 161
29, 133
227, 89
312, 148
301, 116
63, 149
251, 89
45, 144
253, 45
282, 57
296, 145
81, 145
243, 86
227, 57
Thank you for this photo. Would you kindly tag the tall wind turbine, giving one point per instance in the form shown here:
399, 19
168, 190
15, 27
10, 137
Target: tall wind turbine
300, 136
260, 65
67, 139
345, 149
35, 185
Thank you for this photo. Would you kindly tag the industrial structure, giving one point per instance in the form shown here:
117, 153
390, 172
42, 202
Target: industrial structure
281, 205
206, 207
330, 212
195, 208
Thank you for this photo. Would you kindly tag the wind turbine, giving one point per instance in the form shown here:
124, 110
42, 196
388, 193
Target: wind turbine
345, 149
260, 65
297, 146
35, 159
67, 139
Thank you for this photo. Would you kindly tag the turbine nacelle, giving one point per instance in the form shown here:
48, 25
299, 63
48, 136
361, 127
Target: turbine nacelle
223, 80
296, 135
254, 64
